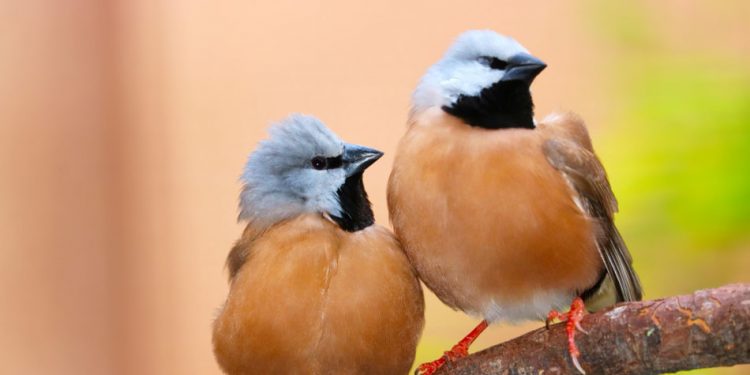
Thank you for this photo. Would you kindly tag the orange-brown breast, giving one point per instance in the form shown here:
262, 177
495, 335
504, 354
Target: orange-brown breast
314, 299
486, 220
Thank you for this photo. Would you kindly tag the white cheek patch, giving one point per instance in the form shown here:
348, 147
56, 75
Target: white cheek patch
275, 198
322, 193
459, 72
469, 82
279, 181
451, 79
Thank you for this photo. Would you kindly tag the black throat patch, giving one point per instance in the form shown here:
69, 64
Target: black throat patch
505, 104
356, 212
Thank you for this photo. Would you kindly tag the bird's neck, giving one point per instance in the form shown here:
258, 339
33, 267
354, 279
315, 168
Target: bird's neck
505, 104
356, 213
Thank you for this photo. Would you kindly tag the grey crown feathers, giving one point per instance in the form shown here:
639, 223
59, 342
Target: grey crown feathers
461, 70
281, 182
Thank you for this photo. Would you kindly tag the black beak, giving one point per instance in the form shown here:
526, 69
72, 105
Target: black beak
357, 158
523, 67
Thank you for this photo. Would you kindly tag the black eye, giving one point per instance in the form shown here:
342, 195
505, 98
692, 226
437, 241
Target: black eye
319, 162
493, 62
496, 63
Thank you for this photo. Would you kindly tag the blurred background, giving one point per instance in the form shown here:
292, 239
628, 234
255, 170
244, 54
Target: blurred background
124, 126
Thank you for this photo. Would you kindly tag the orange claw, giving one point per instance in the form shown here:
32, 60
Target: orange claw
572, 321
458, 351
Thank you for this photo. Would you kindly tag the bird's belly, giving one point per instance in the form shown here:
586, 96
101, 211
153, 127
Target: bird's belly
317, 310
494, 233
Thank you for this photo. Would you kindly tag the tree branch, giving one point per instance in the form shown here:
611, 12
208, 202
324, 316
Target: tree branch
708, 328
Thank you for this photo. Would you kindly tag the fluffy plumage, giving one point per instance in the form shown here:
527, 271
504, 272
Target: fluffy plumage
316, 288
314, 299
503, 218
278, 180
490, 225
462, 70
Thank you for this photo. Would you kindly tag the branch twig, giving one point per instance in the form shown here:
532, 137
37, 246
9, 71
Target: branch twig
708, 328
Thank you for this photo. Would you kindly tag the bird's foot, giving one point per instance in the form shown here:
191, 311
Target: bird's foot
429, 368
572, 321
458, 351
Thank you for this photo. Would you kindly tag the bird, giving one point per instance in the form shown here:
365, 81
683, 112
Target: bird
504, 218
316, 287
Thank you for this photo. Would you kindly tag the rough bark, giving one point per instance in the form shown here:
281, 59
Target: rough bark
708, 328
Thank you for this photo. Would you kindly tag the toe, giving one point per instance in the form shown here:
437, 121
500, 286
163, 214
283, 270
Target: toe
580, 329
429, 368
577, 365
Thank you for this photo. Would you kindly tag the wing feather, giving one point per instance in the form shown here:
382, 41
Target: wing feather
586, 175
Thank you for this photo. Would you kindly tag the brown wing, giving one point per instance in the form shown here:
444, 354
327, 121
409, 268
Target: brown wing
241, 250
584, 171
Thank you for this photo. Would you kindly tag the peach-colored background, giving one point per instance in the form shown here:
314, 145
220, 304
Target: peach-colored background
124, 126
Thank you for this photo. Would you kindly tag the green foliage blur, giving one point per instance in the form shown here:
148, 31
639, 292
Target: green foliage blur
678, 155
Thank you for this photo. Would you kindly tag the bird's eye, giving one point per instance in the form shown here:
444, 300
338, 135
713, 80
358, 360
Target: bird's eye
493, 62
319, 162
496, 63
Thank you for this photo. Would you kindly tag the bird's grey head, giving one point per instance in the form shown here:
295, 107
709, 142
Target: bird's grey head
476, 60
303, 167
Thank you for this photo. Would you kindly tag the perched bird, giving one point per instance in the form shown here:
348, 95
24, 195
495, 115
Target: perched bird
316, 287
502, 217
